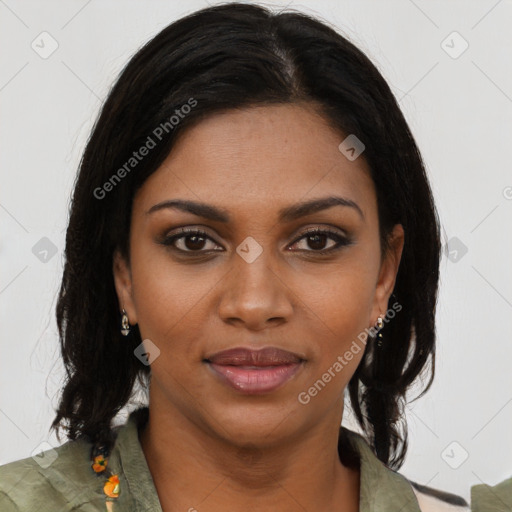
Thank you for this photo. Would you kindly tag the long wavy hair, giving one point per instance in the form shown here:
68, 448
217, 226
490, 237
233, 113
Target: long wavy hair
226, 57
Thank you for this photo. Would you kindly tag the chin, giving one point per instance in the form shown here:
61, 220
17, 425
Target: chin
255, 423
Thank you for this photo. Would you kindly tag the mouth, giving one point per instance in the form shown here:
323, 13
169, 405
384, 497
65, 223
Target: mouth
254, 371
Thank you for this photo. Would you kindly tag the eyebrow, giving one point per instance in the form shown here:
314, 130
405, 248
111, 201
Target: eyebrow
286, 214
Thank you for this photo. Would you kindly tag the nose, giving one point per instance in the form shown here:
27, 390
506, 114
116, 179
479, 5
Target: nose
255, 295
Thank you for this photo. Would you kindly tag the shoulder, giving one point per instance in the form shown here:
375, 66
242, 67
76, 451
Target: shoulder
485, 498
435, 500
55, 479
394, 491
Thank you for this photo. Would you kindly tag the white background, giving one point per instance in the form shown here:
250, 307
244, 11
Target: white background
459, 110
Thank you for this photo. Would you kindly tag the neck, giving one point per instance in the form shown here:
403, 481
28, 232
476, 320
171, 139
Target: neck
193, 467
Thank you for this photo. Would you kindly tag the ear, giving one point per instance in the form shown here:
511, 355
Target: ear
388, 272
123, 284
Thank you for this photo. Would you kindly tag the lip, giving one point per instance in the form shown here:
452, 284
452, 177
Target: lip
255, 371
241, 356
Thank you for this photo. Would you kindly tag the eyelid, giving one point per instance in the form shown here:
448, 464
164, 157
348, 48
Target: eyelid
341, 239
182, 232
323, 229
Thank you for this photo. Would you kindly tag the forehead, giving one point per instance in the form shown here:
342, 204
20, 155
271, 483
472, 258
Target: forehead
258, 156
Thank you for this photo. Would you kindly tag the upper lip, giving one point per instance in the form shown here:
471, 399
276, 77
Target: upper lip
241, 356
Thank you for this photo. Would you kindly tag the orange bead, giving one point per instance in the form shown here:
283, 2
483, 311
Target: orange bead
111, 487
100, 463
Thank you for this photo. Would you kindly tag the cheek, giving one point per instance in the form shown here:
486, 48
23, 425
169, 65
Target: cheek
168, 297
342, 299
340, 306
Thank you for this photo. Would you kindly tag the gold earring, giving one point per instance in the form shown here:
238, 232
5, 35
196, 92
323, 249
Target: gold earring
380, 325
125, 325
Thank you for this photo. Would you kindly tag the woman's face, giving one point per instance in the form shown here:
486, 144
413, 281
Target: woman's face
254, 278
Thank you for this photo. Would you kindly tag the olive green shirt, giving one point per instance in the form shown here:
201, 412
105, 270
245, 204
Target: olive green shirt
497, 498
68, 483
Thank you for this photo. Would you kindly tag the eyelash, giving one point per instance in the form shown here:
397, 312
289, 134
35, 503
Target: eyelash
341, 241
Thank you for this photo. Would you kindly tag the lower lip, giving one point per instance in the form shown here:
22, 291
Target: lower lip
253, 381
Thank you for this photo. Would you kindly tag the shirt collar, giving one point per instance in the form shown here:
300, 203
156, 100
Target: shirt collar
134, 465
381, 489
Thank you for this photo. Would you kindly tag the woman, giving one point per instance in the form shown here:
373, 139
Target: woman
252, 237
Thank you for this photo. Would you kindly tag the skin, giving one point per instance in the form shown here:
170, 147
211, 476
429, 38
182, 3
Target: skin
207, 445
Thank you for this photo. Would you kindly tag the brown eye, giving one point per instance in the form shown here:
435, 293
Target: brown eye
317, 239
193, 242
190, 240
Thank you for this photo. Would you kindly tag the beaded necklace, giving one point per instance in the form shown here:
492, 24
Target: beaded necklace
99, 461
99, 458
